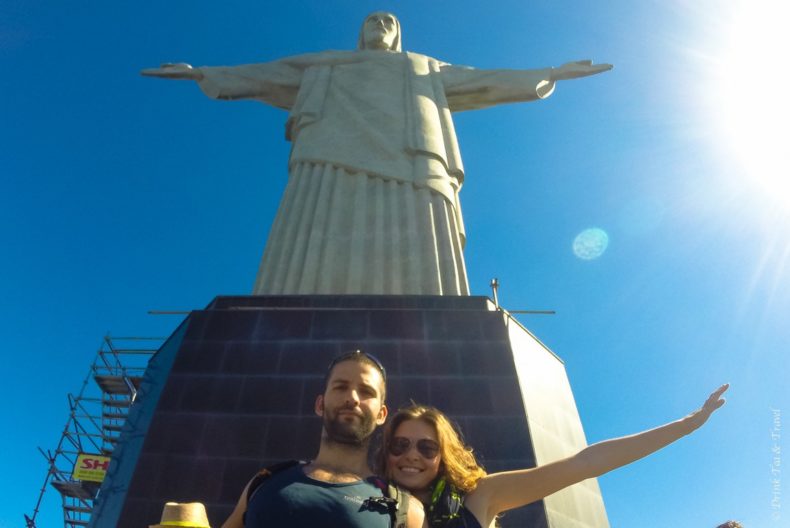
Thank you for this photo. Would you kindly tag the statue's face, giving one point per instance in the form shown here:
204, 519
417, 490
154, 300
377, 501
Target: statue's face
380, 31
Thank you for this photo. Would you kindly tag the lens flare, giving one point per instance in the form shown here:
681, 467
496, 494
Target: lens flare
590, 243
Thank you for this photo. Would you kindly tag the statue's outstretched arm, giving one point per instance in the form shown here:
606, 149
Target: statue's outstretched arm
275, 83
179, 70
576, 69
470, 88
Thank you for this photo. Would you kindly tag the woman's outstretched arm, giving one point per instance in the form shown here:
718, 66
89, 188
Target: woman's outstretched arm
503, 491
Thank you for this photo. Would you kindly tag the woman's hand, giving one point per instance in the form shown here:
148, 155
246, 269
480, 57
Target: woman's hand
714, 401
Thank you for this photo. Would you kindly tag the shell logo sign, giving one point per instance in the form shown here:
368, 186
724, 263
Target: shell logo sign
91, 467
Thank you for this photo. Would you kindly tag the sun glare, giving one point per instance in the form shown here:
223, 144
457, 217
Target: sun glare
733, 83
750, 106
742, 50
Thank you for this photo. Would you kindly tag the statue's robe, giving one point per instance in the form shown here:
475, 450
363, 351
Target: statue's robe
371, 205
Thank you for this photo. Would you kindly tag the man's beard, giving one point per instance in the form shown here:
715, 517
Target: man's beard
354, 433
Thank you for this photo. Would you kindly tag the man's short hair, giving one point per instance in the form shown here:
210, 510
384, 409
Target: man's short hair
358, 356
730, 524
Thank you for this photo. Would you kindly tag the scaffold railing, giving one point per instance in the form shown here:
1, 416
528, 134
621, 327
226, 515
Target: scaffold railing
96, 417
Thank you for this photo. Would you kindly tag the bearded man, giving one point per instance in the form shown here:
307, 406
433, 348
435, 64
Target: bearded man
371, 205
337, 489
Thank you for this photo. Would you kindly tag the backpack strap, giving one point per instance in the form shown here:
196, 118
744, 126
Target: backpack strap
395, 500
403, 498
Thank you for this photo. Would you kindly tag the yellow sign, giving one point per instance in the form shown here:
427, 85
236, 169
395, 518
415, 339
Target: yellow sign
91, 467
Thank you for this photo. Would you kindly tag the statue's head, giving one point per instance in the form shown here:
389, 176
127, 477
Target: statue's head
380, 30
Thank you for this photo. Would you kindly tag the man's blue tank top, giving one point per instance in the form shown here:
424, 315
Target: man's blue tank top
290, 498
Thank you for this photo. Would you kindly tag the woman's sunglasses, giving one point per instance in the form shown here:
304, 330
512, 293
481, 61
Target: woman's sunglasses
426, 447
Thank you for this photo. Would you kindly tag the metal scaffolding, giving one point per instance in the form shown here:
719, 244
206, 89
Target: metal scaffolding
96, 417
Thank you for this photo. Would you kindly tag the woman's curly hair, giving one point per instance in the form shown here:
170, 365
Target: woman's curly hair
458, 464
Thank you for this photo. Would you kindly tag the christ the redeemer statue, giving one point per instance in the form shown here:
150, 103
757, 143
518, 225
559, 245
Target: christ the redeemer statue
371, 205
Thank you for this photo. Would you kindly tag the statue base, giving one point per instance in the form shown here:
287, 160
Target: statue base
233, 390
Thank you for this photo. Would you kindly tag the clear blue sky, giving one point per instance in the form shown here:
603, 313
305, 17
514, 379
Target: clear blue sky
122, 194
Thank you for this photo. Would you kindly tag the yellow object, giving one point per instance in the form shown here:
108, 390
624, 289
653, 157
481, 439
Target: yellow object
189, 514
91, 467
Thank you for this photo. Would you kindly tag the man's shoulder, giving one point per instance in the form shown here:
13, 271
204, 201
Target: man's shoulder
285, 470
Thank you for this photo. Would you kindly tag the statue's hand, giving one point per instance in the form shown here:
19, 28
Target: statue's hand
573, 70
179, 70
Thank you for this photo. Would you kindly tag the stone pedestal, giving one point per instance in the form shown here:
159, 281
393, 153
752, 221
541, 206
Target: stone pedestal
233, 390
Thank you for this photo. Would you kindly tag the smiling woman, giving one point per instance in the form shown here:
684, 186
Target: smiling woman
422, 452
